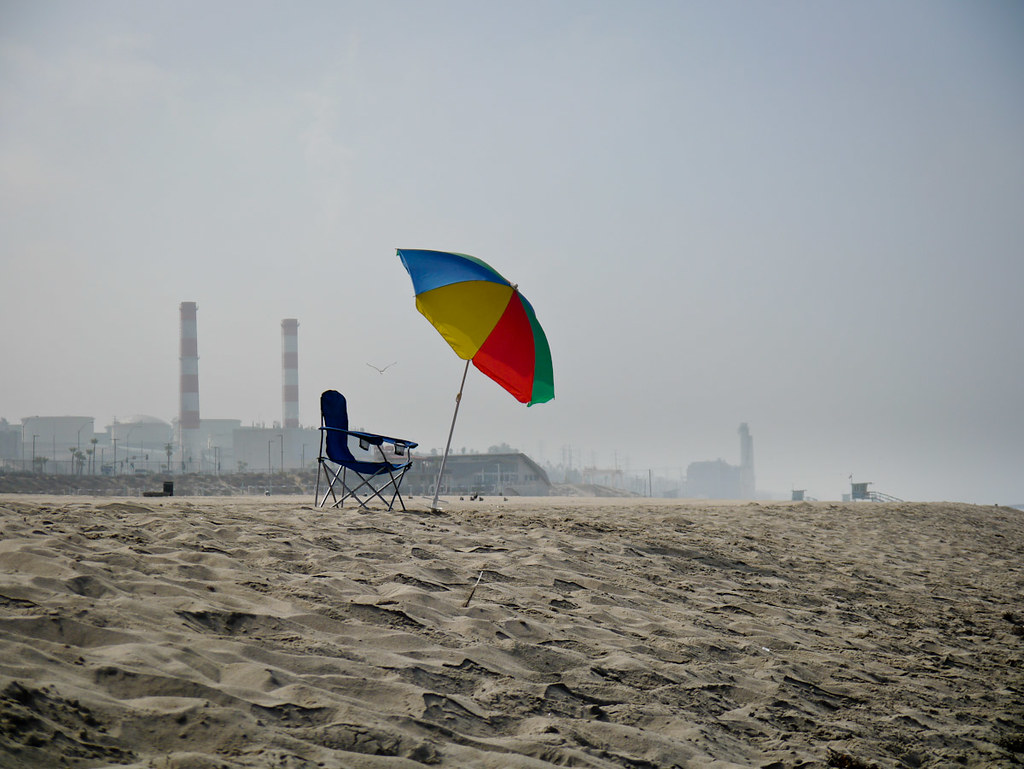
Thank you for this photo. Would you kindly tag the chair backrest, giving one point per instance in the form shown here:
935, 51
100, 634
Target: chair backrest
334, 413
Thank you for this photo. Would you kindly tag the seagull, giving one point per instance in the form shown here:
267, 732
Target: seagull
381, 370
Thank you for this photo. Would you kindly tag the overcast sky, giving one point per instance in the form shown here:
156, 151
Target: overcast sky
804, 216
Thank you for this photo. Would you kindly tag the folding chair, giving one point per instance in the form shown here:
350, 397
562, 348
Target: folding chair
379, 469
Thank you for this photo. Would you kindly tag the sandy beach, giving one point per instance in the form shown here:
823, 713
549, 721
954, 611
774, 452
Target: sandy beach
198, 632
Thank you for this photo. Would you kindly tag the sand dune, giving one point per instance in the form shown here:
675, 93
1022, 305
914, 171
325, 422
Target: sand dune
257, 632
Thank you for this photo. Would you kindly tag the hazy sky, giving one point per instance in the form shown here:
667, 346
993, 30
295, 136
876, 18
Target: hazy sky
804, 216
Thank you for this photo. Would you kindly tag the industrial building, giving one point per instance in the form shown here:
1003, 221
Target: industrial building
223, 445
494, 474
140, 443
188, 444
274, 448
49, 443
717, 479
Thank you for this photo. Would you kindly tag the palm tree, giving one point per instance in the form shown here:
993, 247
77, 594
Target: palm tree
169, 449
92, 453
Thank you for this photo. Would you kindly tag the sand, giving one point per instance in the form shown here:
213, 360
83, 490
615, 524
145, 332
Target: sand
261, 632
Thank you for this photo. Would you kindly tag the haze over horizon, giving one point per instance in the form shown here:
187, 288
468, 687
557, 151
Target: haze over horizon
805, 217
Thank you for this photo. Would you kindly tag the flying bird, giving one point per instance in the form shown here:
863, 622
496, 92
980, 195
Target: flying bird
381, 370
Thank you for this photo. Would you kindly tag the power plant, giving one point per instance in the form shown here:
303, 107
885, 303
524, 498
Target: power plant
206, 445
144, 444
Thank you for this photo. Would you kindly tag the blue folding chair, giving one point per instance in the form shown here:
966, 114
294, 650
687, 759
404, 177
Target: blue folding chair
379, 469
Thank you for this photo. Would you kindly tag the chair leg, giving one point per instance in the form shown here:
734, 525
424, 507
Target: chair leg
331, 481
353, 492
398, 487
350, 492
316, 491
363, 492
394, 482
371, 491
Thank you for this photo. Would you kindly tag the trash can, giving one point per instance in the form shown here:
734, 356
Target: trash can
168, 488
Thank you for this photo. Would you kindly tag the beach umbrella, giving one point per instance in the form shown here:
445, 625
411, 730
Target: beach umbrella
486, 320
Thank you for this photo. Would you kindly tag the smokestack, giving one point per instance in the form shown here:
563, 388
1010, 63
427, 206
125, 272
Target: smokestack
188, 418
290, 371
747, 484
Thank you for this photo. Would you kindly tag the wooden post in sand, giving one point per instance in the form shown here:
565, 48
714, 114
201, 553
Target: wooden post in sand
470, 596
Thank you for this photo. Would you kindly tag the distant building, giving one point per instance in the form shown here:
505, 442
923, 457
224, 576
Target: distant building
136, 444
215, 441
714, 479
57, 440
10, 444
487, 474
141, 434
273, 449
717, 479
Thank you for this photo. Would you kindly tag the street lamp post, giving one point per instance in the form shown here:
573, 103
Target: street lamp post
79, 437
114, 461
34, 452
270, 469
282, 452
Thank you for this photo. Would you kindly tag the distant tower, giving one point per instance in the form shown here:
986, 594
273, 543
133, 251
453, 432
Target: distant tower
188, 419
290, 371
746, 463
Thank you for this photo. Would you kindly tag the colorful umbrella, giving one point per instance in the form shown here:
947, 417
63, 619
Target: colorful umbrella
485, 320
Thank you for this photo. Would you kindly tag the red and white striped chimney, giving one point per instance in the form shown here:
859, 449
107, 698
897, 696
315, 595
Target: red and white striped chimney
290, 371
188, 418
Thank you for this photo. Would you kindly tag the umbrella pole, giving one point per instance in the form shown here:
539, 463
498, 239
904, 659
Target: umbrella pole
440, 473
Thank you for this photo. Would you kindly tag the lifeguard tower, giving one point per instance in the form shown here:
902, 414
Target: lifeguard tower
859, 491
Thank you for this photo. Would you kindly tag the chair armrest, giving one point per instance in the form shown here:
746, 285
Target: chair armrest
373, 438
370, 438
403, 442
376, 439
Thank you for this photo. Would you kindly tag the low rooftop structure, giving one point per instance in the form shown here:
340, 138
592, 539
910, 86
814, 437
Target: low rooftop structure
512, 474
